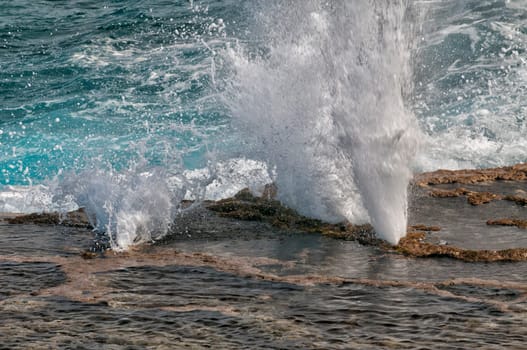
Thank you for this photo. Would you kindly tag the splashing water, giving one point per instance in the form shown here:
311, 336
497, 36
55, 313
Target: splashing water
312, 95
325, 106
131, 207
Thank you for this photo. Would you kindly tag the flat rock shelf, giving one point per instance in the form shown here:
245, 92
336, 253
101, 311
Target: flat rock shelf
248, 273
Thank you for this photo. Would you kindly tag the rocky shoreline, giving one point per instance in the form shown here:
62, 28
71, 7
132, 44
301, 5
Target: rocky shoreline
247, 272
438, 185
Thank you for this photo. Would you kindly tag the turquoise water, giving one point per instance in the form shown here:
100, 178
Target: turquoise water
105, 104
86, 80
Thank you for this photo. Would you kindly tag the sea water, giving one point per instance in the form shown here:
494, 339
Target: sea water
128, 107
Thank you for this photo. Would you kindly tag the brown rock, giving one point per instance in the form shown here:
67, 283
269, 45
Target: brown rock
512, 173
473, 197
87, 255
479, 198
245, 206
424, 228
458, 192
516, 199
508, 222
414, 245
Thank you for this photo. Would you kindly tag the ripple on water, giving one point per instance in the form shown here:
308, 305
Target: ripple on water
35, 240
23, 278
163, 307
243, 285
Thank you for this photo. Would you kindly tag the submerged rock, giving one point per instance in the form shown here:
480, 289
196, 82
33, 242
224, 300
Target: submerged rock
414, 245
424, 228
245, 206
473, 197
516, 199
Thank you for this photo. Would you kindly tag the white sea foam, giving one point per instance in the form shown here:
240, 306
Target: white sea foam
138, 204
25, 199
224, 179
471, 104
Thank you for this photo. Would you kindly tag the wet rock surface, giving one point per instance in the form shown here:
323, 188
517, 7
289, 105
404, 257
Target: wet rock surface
414, 245
223, 297
247, 272
463, 203
76, 218
506, 185
27, 278
246, 207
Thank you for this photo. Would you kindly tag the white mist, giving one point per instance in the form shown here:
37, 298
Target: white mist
325, 107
